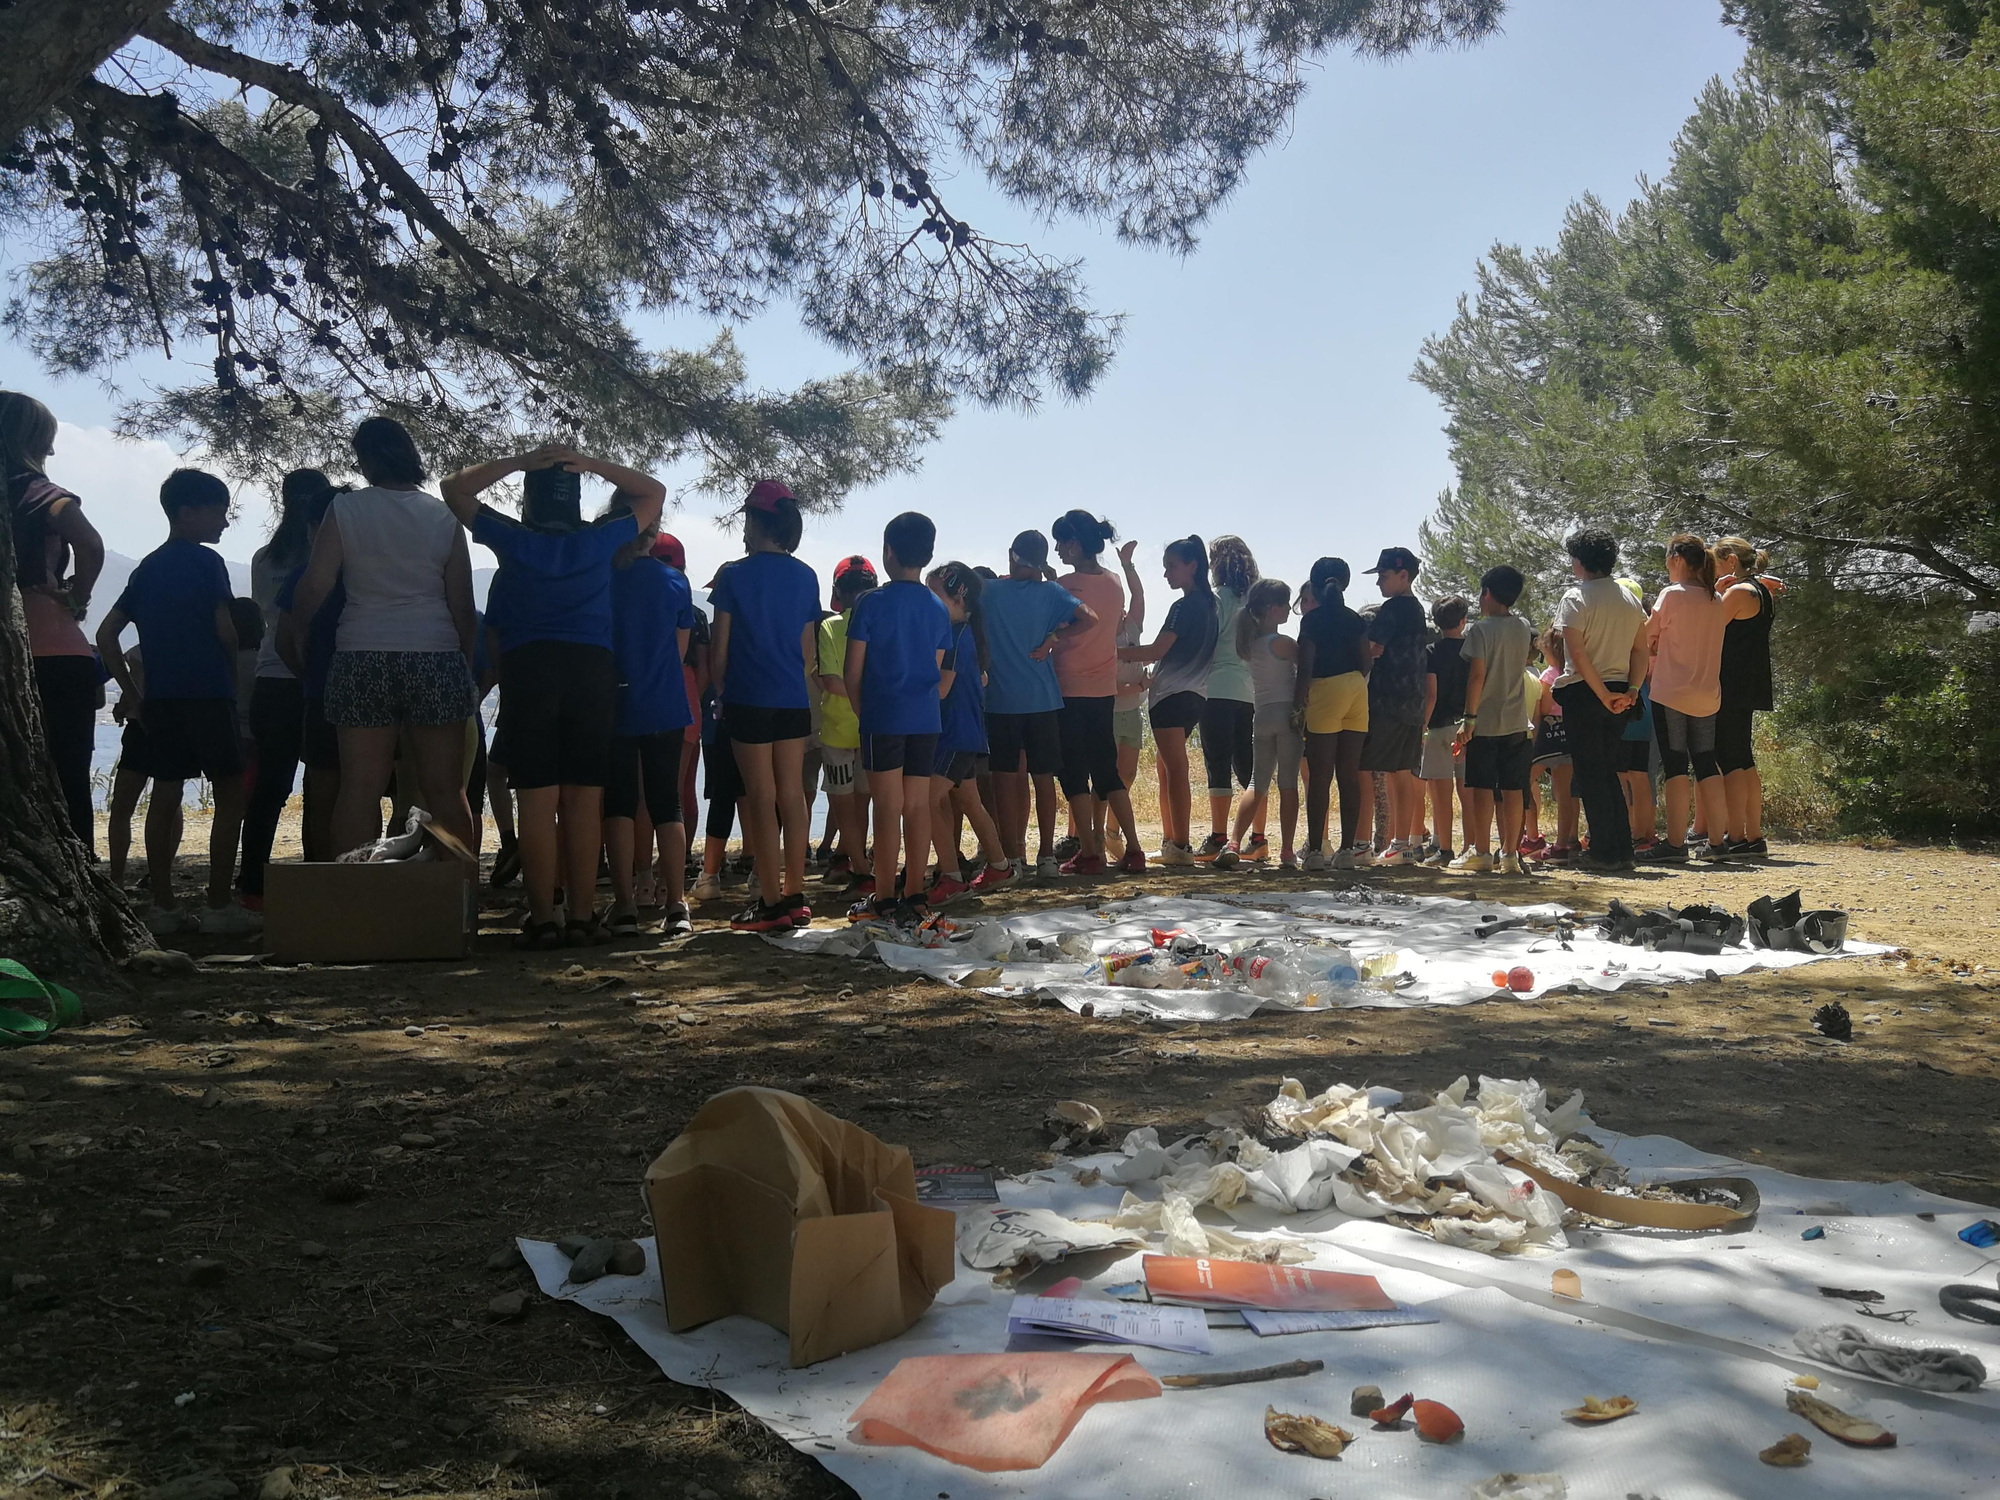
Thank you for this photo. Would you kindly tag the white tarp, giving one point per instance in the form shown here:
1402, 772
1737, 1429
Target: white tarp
1432, 936
1695, 1328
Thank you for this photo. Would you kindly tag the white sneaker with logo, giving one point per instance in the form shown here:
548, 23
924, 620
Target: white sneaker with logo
1397, 856
1315, 863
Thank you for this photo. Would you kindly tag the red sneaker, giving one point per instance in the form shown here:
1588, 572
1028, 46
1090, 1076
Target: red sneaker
946, 888
1134, 862
757, 917
795, 906
1084, 864
991, 877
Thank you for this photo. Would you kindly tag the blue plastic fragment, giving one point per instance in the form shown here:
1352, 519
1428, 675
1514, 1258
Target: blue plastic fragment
1817, 1232
1981, 1232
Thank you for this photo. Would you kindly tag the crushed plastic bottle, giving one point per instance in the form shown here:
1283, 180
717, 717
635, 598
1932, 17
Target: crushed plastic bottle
991, 941
1309, 974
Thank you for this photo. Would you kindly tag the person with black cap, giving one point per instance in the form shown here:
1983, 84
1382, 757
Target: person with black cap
1025, 615
1395, 745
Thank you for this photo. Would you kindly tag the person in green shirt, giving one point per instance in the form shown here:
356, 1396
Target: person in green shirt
840, 727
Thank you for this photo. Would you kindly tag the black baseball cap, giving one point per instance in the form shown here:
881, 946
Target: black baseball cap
1395, 560
1032, 548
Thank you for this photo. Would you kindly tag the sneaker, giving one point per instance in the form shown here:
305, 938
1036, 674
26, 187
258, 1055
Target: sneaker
1068, 848
1738, 849
1020, 868
1534, 847
1134, 862
708, 888
947, 888
1256, 849
1597, 864
1176, 856
1559, 854
1510, 864
1716, 854
622, 924
256, 903
736, 873
506, 865
992, 877
1363, 857
1048, 867
1475, 862
1663, 853
1397, 856
228, 921
1211, 846
1228, 858
877, 910
863, 889
795, 905
1439, 858
1643, 847
1084, 864
758, 917
1316, 862
1289, 860
676, 920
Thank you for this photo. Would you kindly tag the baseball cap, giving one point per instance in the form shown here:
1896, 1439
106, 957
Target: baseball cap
1395, 560
855, 564
766, 493
1032, 548
668, 549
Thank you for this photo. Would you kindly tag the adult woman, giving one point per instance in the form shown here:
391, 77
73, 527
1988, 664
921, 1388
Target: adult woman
277, 702
1228, 717
49, 530
1087, 672
1331, 698
1684, 636
403, 650
1746, 687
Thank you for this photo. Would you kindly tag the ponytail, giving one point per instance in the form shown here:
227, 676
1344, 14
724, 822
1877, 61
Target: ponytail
303, 497
962, 582
1089, 532
1190, 549
1265, 594
1749, 558
1700, 562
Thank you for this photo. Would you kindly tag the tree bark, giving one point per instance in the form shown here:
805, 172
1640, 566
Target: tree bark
53, 45
58, 914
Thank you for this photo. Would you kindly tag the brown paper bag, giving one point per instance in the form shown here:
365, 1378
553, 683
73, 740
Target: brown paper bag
772, 1208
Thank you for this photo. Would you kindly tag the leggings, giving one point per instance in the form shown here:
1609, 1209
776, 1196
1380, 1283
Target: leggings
1277, 749
68, 687
1227, 743
277, 724
650, 763
1685, 740
724, 786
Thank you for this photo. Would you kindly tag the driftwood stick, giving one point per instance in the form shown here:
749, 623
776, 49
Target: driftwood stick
1287, 1371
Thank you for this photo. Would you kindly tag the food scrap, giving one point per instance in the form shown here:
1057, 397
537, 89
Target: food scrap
1292, 1433
1438, 1423
1609, 1409
1389, 1415
1856, 1432
1567, 1284
1787, 1453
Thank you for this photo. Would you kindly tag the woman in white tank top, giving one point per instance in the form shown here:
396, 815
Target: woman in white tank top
404, 643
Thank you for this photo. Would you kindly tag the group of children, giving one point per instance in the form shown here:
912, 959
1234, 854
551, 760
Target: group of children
929, 697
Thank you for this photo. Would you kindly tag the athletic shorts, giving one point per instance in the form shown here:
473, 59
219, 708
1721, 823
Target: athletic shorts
559, 712
1498, 762
1128, 726
749, 725
1686, 742
1228, 743
1089, 748
1637, 756
840, 768
1393, 747
1036, 736
1338, 704
1440, 761
190, 737
651, 761
319, 744
1180, 711
1735, 741
382, 689
956, 766
132, 750
912, 754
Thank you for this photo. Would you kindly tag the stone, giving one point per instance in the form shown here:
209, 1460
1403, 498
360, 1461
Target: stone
413, 1031
280, 1484
194, 1487
155, 1216
607, 1257
506, 1258
23, 1153
627, 1259
1366, 1398
416, 1140
572, 1244
204, 1271
316, 1352
507, 1306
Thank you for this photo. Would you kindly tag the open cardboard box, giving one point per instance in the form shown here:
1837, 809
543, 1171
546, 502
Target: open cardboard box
370, 913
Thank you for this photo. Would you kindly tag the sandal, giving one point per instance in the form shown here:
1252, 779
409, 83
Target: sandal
539, 936
622, 924
585, 934
676, 920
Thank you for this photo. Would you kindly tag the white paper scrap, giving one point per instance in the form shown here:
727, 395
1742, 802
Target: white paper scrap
1264, 1324
1181, 1329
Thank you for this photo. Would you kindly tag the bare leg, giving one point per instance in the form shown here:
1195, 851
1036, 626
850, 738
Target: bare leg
1677, 809
163, 840
1010, 793
1479, 820
225, 828
1639, 798
1567, 806
126, 787
762, 823
1441, 818
847, 815
673, 844
500, 798
1047, 807
966, 798
916, 794
1320, 756
1714, 798
1510, 821
1352, 781
788, 758
539, 851
889, 791
441, 775
1176, 799
1746, 803
367, 761
1218, 813
581, 815
620, 835
1364, 807
1086, 815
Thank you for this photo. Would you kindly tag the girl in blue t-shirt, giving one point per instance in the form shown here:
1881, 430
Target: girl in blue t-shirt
1182, 652
955, 785
765, 642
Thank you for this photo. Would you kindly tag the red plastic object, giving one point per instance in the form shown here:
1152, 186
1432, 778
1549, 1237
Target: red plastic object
1520, 979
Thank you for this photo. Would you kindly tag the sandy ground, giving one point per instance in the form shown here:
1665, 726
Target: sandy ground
352, 1178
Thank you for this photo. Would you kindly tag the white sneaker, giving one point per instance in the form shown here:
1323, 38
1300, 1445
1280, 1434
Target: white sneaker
1020, 867
1048, 867
1362, 855
1510, 864
163, 921
1438, 859
1475, 862
232, 920
1396, 857
1178, 855
708, 888
1315, 863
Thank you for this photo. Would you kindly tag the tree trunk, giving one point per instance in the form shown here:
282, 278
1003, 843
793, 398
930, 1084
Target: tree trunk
53, 45
58, 914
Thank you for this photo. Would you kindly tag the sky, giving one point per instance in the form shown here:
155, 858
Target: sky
1263, 386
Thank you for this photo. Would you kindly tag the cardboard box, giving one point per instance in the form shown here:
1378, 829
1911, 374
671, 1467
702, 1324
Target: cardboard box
770, 1207
335, 913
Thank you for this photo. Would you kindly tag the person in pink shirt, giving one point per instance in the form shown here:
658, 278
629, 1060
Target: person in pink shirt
1684, 639
1087, 672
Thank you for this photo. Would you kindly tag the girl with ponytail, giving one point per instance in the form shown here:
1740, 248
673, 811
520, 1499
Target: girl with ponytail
1087, 673
1181, 654
1330, 699
962, 742
1684, 636
1228, 721
1748, 598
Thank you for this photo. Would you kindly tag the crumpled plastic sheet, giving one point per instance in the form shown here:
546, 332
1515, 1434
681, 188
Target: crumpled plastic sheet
1939, 1369
1433, 936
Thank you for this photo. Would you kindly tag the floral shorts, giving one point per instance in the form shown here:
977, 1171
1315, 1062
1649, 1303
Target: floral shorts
382, 689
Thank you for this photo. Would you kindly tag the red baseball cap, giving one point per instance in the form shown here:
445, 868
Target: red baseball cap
766, 493
668, 549
855, 564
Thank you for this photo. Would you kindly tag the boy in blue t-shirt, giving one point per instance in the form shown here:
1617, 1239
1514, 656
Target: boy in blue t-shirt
179, 597
895, 675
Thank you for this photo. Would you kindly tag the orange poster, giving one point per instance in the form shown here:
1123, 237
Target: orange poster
1237, 1283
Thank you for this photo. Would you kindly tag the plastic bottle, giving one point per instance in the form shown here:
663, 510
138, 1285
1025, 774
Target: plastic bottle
1294, 973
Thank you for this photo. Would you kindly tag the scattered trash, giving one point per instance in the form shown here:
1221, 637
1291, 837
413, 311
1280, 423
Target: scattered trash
1017, 1240
1567, 1283
949, 1184
1782, 924
1683, 929
1856, 1432
1973, 1304
1074, 1123
1832, 1019
18, 1028
1181, 1330
1390, 1415
1366, 1400
1436, 1422
1850, 1294
1290, 1432
1817, 1232
1789, 1452
1933, 1369
1608, 1409
1290, 1370
1983, 1234
995, 1412
1806, 1382
279, 1484
1522, 1487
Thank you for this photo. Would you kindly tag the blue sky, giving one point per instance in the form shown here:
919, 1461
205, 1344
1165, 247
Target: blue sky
1263, 386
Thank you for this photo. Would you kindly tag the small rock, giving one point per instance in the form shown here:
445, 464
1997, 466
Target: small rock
413, 1031
23, 1153
311, 1250
1660, 1021
204, 1271
317, 1352
386, 1153
1366, 1398
280, 1484
194, 1487
506, 1258
874, 1031
13, 1091
416, 1140
507, 1306
572, 1245
24, 1282
212, 1097
600, 1256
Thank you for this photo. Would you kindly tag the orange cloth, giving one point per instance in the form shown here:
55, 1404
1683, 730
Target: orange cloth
995, 1411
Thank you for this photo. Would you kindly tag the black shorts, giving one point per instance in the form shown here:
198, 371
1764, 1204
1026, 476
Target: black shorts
1181, 711
655, 761
749, 725
1498, 762
1735, 748
190, 737
1228, 742
1638, 756
1089, 747
912, 754
319, 745
1393, 747
132, 750
558, 708
956, 767
1037, 736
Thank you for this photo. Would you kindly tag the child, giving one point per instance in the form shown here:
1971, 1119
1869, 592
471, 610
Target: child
558, 675
1332, 695
128, 778
840, 730
1444, 700
1490, 733
962, 744
1181, 654
1551, 750
179, 597
1026, 616
1128, 715
1395, 745
652, 618
1277, 744
1087, 674
1229, 707
896, 676
1684, 635
307, 647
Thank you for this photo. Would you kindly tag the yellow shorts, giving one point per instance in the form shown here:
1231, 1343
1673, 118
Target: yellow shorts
1338, 703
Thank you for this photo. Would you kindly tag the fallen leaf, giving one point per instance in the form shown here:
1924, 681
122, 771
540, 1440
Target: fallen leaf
1856, 1432
1289, 1433
1609, 1409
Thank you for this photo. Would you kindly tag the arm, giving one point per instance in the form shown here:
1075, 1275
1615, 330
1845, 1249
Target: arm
1162, 644
225, 629
490, 678
809, 649
108, 630
700, 668
851, 669
1574, 644
322, 569
461, 491
1475, 686
1430, 694
645, 494
73, 526
1135, 591
1636, 670
1302, 689
458, 593
1284, 648
830, 682
1742, 602
681, 638
718, 650
1084, 618
289, 650
946, 676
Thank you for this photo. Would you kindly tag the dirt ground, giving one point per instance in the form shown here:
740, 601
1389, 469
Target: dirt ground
350, 1146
